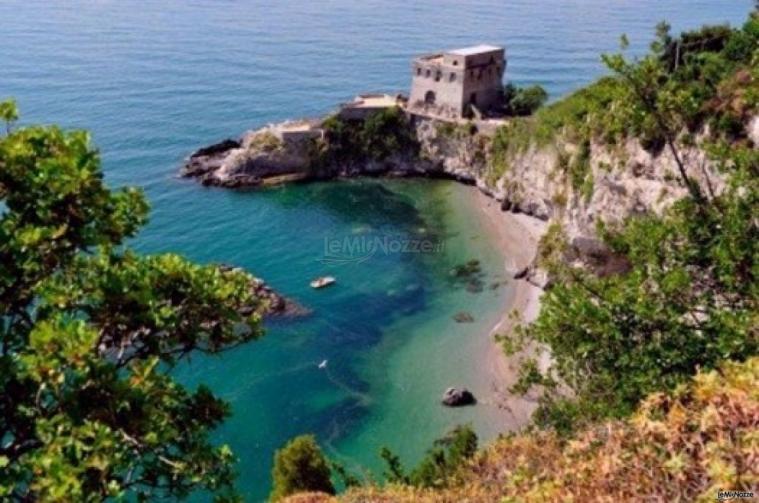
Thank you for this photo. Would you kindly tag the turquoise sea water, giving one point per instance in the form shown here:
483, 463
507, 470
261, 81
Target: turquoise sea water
155, 80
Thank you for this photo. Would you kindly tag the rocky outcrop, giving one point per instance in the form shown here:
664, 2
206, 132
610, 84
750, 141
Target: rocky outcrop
617, 181
269, 302
458, 397
257, 156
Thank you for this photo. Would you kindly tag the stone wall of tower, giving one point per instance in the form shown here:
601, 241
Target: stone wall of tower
447, 84
444, 85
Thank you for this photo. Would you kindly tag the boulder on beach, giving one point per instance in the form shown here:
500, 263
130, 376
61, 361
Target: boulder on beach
458, 397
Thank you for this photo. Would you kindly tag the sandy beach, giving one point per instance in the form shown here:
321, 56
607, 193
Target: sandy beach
517, 236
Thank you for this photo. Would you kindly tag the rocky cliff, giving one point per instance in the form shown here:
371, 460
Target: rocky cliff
574, 183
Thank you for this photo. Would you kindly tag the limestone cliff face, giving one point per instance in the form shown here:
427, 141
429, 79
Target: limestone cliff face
616, 182
620, 181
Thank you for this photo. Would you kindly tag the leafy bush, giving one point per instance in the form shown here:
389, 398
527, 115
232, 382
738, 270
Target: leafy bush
381, 135
520, 101
439, 464
300, 466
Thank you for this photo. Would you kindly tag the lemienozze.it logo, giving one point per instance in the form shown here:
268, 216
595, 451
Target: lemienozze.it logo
734, 495
353, 249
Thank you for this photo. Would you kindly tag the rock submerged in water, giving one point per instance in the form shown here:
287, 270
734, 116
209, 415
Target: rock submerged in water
458, 397
463, 317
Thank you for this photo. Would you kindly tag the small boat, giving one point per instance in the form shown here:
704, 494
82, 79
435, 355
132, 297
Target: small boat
323, 364
322, 282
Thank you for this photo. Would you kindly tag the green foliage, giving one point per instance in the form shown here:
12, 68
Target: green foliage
579, 168
440, 463
454, 130
583, 114
394, 472
300, 466
704, 76
8, 113
521, 101
552, 246
90, 331
510, 140
381, 135
688, 302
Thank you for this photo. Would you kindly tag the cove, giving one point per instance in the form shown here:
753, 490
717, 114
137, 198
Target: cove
386, 329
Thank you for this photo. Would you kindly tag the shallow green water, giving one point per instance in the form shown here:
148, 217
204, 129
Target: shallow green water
386, 329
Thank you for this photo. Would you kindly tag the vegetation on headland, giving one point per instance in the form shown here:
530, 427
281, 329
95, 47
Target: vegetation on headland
704, 77
381, 135
90, 331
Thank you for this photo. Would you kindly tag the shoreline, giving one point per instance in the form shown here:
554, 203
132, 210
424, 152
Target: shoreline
517, 237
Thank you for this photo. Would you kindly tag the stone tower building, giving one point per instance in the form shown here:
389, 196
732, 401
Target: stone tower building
458, 83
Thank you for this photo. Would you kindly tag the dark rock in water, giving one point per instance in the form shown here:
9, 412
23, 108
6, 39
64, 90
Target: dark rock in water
522, 273
217, 148
458, 397
270, 302
207, 160
467, 270
474, 286
463, 317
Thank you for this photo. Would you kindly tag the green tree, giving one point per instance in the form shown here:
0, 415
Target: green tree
439, 464
89, 332
8, 113
300, 466
523, 100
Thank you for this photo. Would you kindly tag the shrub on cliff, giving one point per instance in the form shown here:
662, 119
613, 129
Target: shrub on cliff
520, 101
381, 135
90, 332
441, 462
300, 466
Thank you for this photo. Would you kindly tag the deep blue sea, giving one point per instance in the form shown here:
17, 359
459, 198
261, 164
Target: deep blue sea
155, 80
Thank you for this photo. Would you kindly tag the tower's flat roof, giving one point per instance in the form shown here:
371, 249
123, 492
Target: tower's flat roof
475, 49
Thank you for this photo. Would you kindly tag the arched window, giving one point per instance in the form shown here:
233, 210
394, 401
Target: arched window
453, 77
429, 73
429, 97
418, 71
455, 62
438, 75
